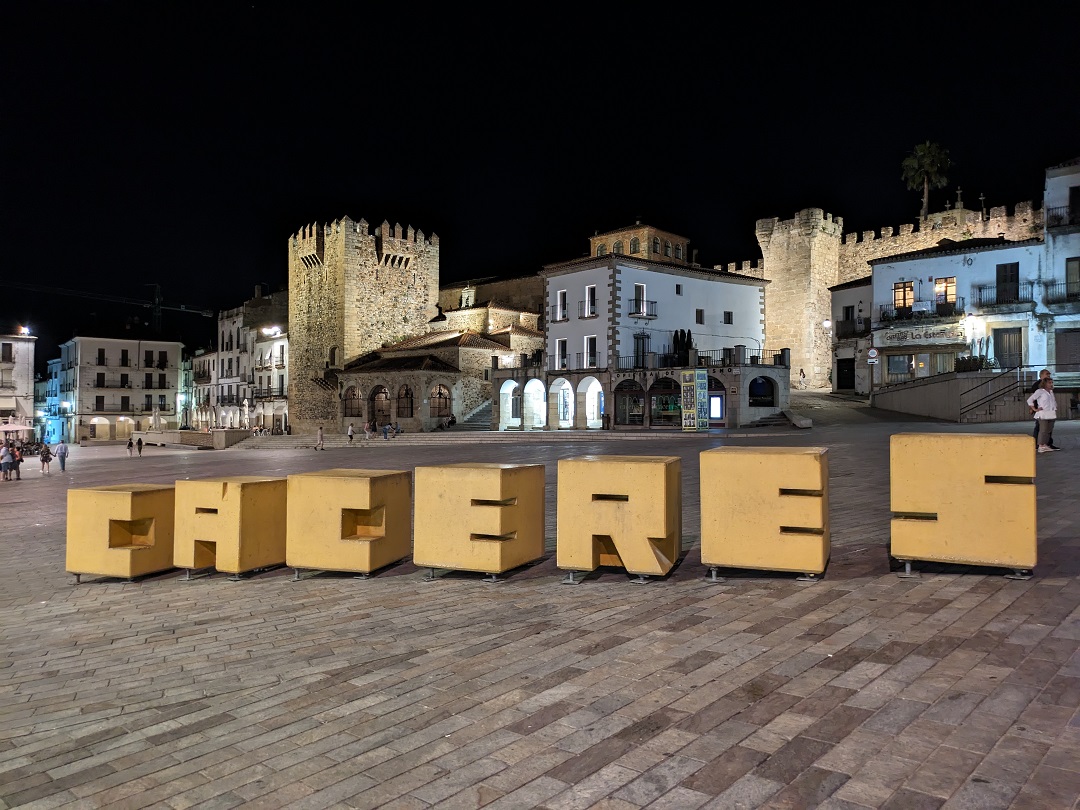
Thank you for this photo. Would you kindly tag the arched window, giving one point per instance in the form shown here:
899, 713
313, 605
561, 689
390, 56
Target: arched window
380, 405
762, 393
629, 403
617, 247
667, 249
440, 403
404, 402
678, 251
350, 402
601, 250
635, 245
656, 245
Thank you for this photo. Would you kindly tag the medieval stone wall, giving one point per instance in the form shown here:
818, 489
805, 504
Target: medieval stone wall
804, 256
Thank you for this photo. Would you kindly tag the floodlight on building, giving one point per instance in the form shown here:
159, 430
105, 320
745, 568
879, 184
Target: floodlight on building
24, 330
271, 331
826, 324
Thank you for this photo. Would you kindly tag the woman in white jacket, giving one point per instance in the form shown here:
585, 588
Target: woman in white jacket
1044, 405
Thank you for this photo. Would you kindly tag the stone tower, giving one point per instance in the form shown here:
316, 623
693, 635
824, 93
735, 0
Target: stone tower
351, 291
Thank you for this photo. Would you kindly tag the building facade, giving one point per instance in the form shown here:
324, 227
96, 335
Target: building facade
623, 322
108, 388
17, 378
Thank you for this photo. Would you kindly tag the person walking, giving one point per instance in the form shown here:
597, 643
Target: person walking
1043, 405
61, 454
369, 429
46, 457
1035, 387
319, 440
131, 447
349, 432
6, 457
802, 379
138, 446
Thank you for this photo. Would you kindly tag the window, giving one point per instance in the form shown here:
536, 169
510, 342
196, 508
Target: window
7, 353
1072, 272
903, 294
101, 357
125, 403
560, 306
699, 316
635, 245
667, 249
729, 317
678, 289
405, 402
162, 359
601, 250
148, 358
148, 380
617, 247
100, 381
637, 305
849, 313
560, 353
99, 403
678, 251
590, 351
590, 301
125, 381
900, 363
161, 381
1008, 282
161, 402
656, 244
945, 290
124, 361
148, 402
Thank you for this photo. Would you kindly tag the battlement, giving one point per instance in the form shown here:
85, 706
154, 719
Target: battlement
755, 268
958, 221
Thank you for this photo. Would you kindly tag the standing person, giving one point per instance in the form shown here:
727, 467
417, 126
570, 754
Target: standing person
16, 461
802, 378
138, 446
46, 457
1044, 405
131, 446
6, 458
1044, 374
350, 432
369, 429
319, 440
61, 453
386, 431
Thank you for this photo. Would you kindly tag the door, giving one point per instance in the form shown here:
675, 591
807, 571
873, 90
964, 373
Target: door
1066, 350
845, 374
1008, 348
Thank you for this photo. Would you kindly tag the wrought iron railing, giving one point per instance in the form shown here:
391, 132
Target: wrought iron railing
640, 308
1062, 292
993, 295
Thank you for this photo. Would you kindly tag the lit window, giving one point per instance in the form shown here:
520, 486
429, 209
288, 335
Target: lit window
635, 245
601, 250
617, 247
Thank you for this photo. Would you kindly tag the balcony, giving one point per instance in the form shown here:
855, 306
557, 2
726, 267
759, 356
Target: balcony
202, 377
114, 408
1063, 292
1009, 296
111, 384
850, 329
1062, 217
586, 309
640, 308
930, 310
558, 314
268, 393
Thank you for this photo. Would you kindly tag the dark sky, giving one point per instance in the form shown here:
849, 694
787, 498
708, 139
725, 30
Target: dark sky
181, 143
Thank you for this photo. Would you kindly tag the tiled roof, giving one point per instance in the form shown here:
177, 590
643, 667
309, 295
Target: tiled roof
403, 362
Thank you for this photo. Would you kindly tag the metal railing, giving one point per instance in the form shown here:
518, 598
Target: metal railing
640, 308
919, 310
846, 329
1061, 215
586, 309
996, 295
268, 393
1062, 292
558, 314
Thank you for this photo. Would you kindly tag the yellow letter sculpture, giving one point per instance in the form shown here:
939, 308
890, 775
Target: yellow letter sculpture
966, 498
622, 511
765, 508
234, 523
349, 520
479, 517
123, 531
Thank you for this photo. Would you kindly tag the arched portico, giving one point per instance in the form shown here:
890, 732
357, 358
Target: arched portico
589, 407
510, 406
534, 406
629, 404
561, 404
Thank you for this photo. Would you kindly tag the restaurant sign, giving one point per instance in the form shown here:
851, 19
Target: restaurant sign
948, 333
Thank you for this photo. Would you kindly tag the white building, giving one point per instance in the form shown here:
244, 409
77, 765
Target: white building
17, 378
624, 321
109, 387
850, 327
270, 377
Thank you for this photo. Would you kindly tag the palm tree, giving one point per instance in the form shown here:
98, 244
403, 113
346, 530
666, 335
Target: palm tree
925, 169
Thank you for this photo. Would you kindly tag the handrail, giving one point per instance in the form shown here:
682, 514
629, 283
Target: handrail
1012, 384
1003, 371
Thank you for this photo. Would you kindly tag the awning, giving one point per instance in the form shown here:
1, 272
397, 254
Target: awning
7, 403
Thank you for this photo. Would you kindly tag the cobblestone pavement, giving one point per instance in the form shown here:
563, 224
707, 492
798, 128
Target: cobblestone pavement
957, 690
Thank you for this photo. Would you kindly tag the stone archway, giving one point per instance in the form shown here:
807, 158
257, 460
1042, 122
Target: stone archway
534, 406
510, 402
590, 404
561, 404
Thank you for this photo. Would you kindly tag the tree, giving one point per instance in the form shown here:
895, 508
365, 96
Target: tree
925, 169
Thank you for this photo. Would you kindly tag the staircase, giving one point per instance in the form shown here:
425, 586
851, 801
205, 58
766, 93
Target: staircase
478, 420
772, 420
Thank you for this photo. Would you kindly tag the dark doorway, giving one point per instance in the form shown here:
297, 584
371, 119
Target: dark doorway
1008, 348
845, 374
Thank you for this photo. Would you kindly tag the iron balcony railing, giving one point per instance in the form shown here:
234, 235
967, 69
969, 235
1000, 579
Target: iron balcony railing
558, 314
1062, 215
268, 393
1062, 292
846, 329
918, 310
1009, 294
640, 308
586, 309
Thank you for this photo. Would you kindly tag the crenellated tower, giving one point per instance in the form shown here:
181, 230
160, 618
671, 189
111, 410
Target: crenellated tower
351, 291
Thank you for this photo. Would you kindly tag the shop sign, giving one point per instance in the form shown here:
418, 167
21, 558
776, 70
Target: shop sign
922, 335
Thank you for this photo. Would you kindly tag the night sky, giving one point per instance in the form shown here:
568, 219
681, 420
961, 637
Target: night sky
182, 143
